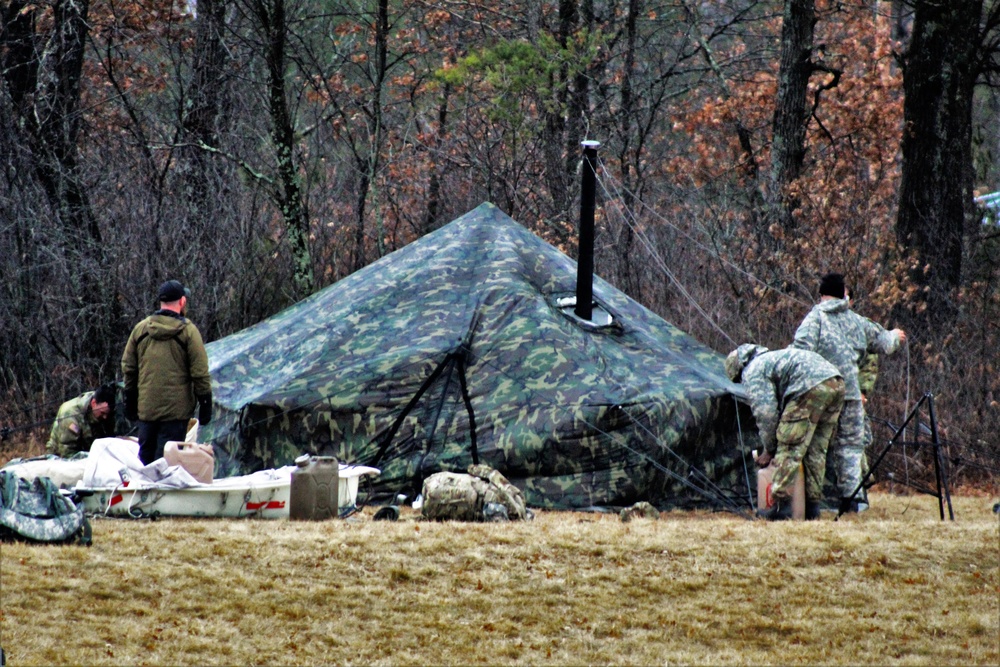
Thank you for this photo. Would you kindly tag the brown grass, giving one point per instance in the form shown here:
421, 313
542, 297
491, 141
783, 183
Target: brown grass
894, 585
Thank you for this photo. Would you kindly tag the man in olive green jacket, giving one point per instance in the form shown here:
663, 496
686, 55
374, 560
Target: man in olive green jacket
80, 420
166, 373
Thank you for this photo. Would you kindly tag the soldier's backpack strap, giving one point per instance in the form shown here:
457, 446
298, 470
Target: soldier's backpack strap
176, 337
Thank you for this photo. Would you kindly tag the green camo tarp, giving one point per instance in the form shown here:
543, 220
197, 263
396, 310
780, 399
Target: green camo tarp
455, 349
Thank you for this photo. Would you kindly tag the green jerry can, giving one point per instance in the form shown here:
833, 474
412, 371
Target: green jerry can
314, 493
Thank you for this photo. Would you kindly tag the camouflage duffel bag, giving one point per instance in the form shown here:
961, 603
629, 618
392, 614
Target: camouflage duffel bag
35, 510
482, 495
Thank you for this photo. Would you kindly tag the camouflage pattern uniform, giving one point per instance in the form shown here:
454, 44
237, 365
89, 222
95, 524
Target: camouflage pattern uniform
37, 511
807, 393
463, 497
460, 340
74, 428
867, 374
453, 496
843, 337
502, 491
641, 510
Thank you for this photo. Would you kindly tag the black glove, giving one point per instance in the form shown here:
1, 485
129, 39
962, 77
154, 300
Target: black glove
132, 405
204, 409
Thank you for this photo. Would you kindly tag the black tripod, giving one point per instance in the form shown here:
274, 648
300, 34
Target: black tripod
940, 474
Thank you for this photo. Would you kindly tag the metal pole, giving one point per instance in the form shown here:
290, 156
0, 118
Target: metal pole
878, 459
585, 261
939, 470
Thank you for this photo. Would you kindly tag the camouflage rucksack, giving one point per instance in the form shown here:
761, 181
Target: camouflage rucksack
483, 495
502, 492
37, 511
454, 496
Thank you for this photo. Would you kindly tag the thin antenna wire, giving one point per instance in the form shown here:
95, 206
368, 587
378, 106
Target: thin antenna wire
666, 271
707, 249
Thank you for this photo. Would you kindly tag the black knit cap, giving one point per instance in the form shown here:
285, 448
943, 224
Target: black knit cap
832, 284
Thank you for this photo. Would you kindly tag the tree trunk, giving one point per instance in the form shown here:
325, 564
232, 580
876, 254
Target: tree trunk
630, 274
202, 109
20, 62
430, 222
45, 92
54, 122
791, 115
935, 194
556, 126
576, 111
288, 190
370, 163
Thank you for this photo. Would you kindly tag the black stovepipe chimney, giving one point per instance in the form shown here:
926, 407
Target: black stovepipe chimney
585, 259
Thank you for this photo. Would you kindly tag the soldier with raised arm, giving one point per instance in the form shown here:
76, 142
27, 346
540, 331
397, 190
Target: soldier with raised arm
843, 338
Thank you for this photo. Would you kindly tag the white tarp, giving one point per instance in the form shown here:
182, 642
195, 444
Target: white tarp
109, 456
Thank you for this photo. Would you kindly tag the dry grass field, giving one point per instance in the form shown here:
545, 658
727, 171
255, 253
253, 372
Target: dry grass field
892, 586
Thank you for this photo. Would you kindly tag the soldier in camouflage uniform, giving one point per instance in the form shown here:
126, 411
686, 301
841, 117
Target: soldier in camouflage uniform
867, 374
843, 337
80, 420
796, 397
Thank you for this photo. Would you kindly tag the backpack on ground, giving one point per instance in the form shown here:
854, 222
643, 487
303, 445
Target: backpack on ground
36, 511
483, 494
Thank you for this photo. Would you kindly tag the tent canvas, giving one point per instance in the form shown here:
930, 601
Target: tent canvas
456, 349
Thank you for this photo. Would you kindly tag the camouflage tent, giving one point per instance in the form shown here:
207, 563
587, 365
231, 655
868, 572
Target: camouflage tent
458, 348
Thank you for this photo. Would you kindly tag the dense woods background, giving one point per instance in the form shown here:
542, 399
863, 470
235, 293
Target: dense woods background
259, 150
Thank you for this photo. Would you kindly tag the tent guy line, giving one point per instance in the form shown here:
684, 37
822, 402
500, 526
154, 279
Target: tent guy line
617, 196
667, 272
629, 218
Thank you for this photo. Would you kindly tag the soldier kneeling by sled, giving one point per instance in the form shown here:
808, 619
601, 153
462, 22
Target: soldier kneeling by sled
796, 397
483, 494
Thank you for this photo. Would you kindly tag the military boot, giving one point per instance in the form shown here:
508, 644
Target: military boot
812, 510
780, 511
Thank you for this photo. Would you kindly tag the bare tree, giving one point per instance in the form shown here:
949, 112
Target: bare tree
42, 78
941, 67
791, 115
202, 109
271, 21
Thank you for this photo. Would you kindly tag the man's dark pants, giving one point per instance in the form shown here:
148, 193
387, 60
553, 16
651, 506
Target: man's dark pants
154, 435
